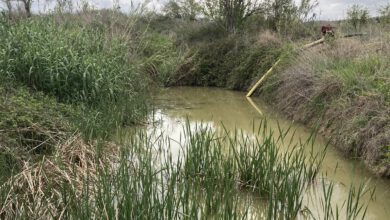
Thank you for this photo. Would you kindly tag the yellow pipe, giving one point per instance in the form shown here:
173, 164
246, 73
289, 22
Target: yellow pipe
265, 76
268, 73
314, 43
254, 105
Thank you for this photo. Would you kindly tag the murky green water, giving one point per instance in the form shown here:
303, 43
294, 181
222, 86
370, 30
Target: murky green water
217, 108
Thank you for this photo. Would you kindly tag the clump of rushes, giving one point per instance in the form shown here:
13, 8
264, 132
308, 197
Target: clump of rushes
144, 179
252, 163
76, 63
351, 208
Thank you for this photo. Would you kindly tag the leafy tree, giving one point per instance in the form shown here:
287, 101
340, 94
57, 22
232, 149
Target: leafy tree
27, 6
231, 14
25, 3
173, 9
191, 8
281, 14
8, 4
385, 14
186, 9
306, 8
9, 7
357, 16
284, 14
64, 5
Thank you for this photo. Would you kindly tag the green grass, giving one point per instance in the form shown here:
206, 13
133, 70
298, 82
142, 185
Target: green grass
361, 75
31, 126
232, 62
75, 76
216, 175
351, 208
77, 64
161, 56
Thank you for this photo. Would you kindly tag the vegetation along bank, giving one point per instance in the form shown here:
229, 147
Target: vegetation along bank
340, 86
71, 80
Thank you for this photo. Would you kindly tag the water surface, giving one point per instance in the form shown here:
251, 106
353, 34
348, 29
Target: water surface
218, 108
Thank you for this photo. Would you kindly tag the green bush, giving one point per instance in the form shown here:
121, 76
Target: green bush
233, 62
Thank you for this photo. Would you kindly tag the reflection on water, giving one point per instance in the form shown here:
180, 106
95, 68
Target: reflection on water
219, 108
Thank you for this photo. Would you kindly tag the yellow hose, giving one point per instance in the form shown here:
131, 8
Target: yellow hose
265, 76
254, 105
269, 72
314, 43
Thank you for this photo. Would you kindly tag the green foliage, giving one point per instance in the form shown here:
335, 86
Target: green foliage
385, 15
20, 110
230, 14
357, 16
231, 62
185, 9
161, 56
78, 64
70, 62
287, 16
204, 182
362, 74
31, 126
172, 9
283, 14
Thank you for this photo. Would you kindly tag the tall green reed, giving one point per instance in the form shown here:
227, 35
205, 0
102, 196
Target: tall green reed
78, 64
216, 175
352, 207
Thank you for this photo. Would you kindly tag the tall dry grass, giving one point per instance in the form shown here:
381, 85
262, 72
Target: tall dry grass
342, 86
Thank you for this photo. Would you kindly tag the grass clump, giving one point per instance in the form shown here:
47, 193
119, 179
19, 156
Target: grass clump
145, 180
161, 56
351, 208
361, 75
77, 64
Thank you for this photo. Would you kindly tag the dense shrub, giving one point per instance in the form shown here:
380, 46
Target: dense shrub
232, 62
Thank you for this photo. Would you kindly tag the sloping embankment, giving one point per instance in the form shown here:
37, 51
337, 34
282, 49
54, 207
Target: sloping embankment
344, 89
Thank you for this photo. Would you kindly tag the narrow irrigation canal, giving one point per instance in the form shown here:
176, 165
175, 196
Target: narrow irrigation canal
219, 108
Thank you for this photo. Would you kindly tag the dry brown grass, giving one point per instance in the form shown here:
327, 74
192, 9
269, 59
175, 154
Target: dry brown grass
36, 190
268, 37
350, 107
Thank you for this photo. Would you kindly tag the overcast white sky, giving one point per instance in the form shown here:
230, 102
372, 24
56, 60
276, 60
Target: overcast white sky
327, 10
336, 9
